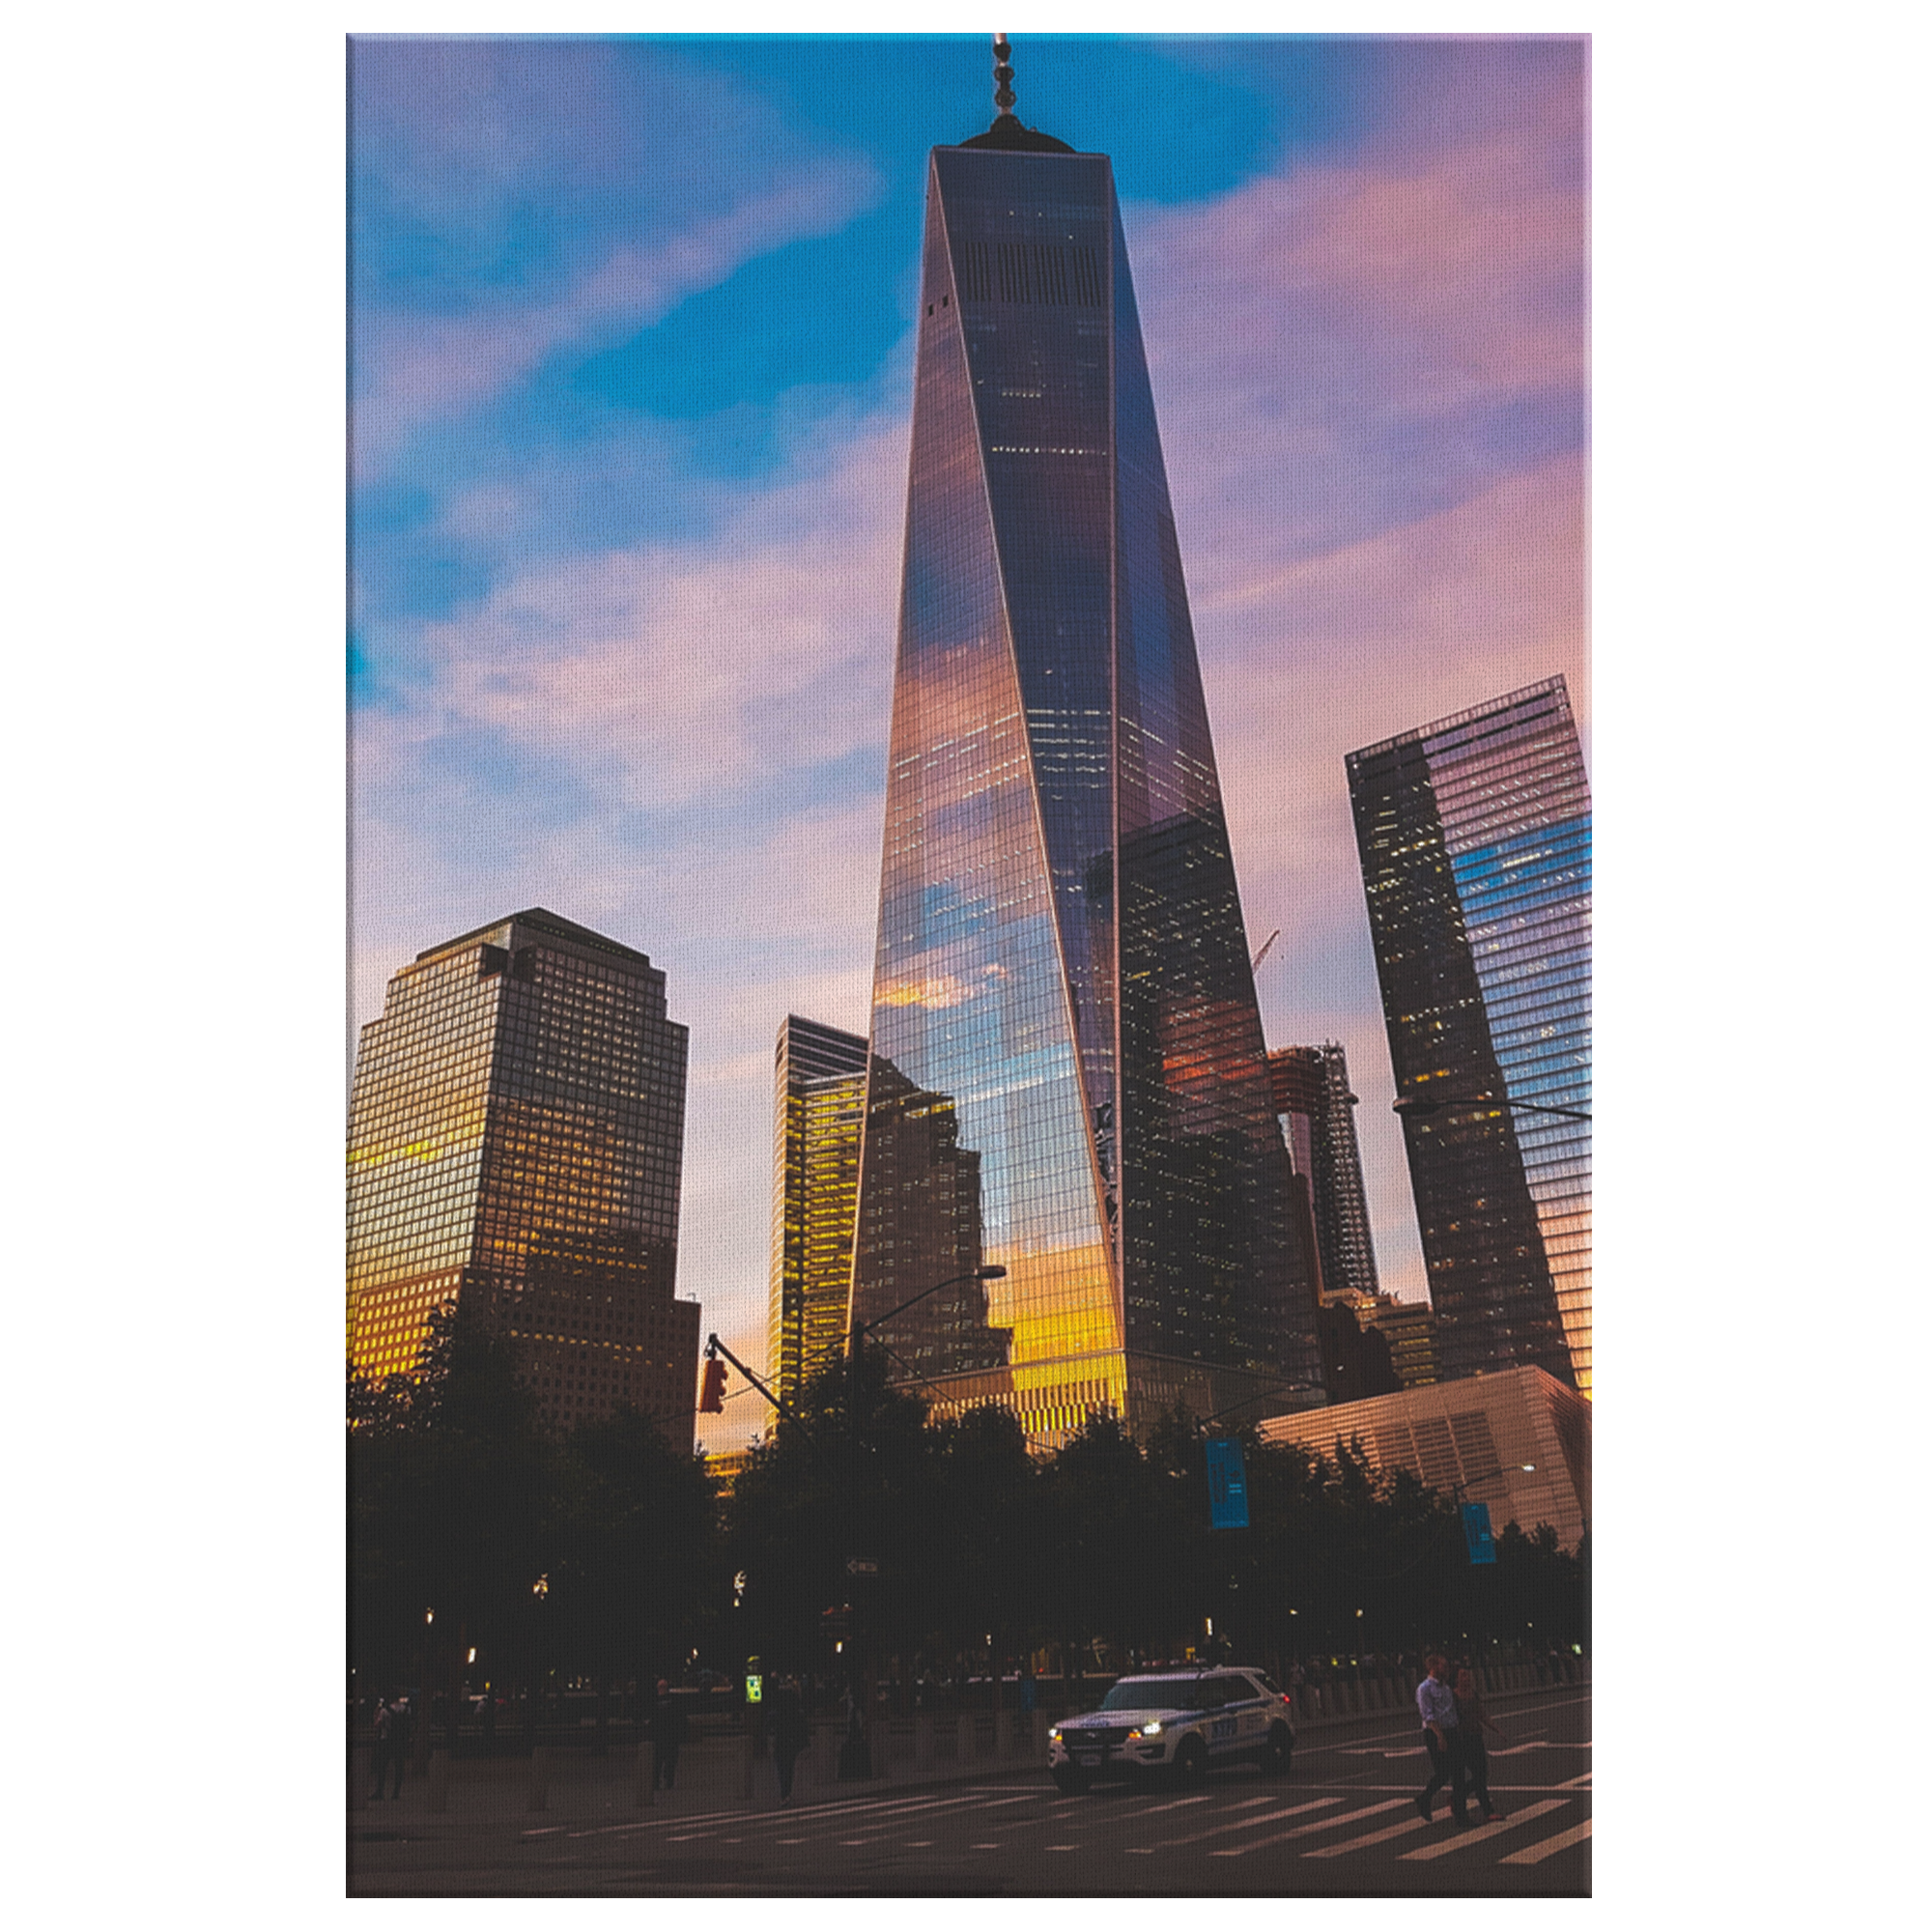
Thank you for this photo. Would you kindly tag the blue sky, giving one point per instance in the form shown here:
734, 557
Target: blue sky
630, 343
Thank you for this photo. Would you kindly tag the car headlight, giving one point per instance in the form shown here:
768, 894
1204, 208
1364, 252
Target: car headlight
1152, 1730
1054, 1733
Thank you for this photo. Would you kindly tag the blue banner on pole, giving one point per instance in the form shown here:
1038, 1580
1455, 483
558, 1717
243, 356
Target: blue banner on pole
1476, 1532
1227, 1483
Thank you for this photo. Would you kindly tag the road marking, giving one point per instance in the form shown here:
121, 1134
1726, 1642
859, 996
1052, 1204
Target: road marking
1541, 1744
1173, 1805
1308, 1830
1492, 1831
1389, 1737
1532, 1854
1062, 1848
1542, 1790
792, 1841
685, 1837
1577, 1783
1250, 1824
544, 1832
805, 1813
1368, 1839
982, 1848
918, 1844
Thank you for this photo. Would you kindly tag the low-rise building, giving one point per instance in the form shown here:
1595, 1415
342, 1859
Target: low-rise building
1519, 1440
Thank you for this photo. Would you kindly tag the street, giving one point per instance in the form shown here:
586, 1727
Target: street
1342, 1824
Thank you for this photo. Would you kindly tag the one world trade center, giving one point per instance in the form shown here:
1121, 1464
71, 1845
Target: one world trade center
1069, 1081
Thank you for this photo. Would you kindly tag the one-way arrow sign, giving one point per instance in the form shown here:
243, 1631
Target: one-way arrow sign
861, 1566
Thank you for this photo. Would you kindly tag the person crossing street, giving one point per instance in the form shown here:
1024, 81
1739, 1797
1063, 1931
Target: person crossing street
1436, 1702
1471, 1721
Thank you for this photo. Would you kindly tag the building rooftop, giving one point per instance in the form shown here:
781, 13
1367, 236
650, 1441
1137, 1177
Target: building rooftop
541, 921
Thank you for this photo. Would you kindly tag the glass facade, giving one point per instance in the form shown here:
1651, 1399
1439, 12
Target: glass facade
818, 1108
1071, 1080
1475, 840
1316, 1109
515, 1144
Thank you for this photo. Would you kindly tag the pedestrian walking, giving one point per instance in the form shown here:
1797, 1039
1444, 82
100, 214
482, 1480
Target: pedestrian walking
788, 1734
668, 1725
379, 1750
1471, 1721
1436, 1702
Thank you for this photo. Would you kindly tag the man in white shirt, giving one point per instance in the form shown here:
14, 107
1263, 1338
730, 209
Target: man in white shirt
1436, 1702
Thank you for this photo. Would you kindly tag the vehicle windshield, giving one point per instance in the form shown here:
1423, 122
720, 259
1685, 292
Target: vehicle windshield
1156, 1693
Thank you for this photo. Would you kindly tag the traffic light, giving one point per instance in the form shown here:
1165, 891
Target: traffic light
711, 1399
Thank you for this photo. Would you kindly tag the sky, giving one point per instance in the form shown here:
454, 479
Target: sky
631, 332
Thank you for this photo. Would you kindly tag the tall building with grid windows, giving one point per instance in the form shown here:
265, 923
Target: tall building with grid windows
818, 1106
1070, 1080
1316, 1109
1474, 835
514, 1143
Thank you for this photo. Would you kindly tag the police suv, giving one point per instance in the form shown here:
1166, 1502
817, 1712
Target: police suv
1177, 1721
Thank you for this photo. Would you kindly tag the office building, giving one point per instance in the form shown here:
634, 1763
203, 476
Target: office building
1474, 835
1071, 1083
1518, 1439
1316, 1109
818, 1107
1408, 1327
515, 1144
1355, 1358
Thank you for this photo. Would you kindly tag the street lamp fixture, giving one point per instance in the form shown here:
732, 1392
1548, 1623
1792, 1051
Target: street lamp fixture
992, 1271
1419, 1106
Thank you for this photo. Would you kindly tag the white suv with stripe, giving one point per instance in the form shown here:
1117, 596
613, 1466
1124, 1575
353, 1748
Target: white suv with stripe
1179, 1720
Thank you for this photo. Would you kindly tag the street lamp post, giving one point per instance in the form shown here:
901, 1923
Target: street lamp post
1419, 1106
867, 1660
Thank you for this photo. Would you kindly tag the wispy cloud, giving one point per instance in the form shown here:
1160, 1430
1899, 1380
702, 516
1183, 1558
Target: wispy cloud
413, 368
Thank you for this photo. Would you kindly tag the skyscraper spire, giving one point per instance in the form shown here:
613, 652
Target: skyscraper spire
1007, 130
1003, 78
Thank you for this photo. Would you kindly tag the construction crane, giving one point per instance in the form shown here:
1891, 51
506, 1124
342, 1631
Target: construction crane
1254, 965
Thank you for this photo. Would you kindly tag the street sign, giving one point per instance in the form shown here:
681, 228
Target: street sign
861, 1566
1477, 1534
1227, 1483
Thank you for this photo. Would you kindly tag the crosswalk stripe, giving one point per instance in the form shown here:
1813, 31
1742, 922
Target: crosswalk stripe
1532, 1854
1251, 1824
1368, 1839
1308, 1830
1483, 1832
1173, 1805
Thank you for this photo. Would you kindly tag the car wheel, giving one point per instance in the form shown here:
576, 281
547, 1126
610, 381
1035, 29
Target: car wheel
1071, 1781
1277, 1751
1190, 1762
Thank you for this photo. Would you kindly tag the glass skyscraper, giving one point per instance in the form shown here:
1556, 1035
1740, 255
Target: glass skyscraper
514, 1143
818, 1107
1316, 1109
1474, 835
1069, 1077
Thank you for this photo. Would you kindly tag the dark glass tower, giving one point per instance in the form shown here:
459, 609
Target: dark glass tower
1062, 967
515, 1139
1475, 840
1316, 1109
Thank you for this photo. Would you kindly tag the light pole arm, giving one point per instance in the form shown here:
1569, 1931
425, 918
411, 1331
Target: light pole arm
1287, 1389
879, 1321
1420, 1106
